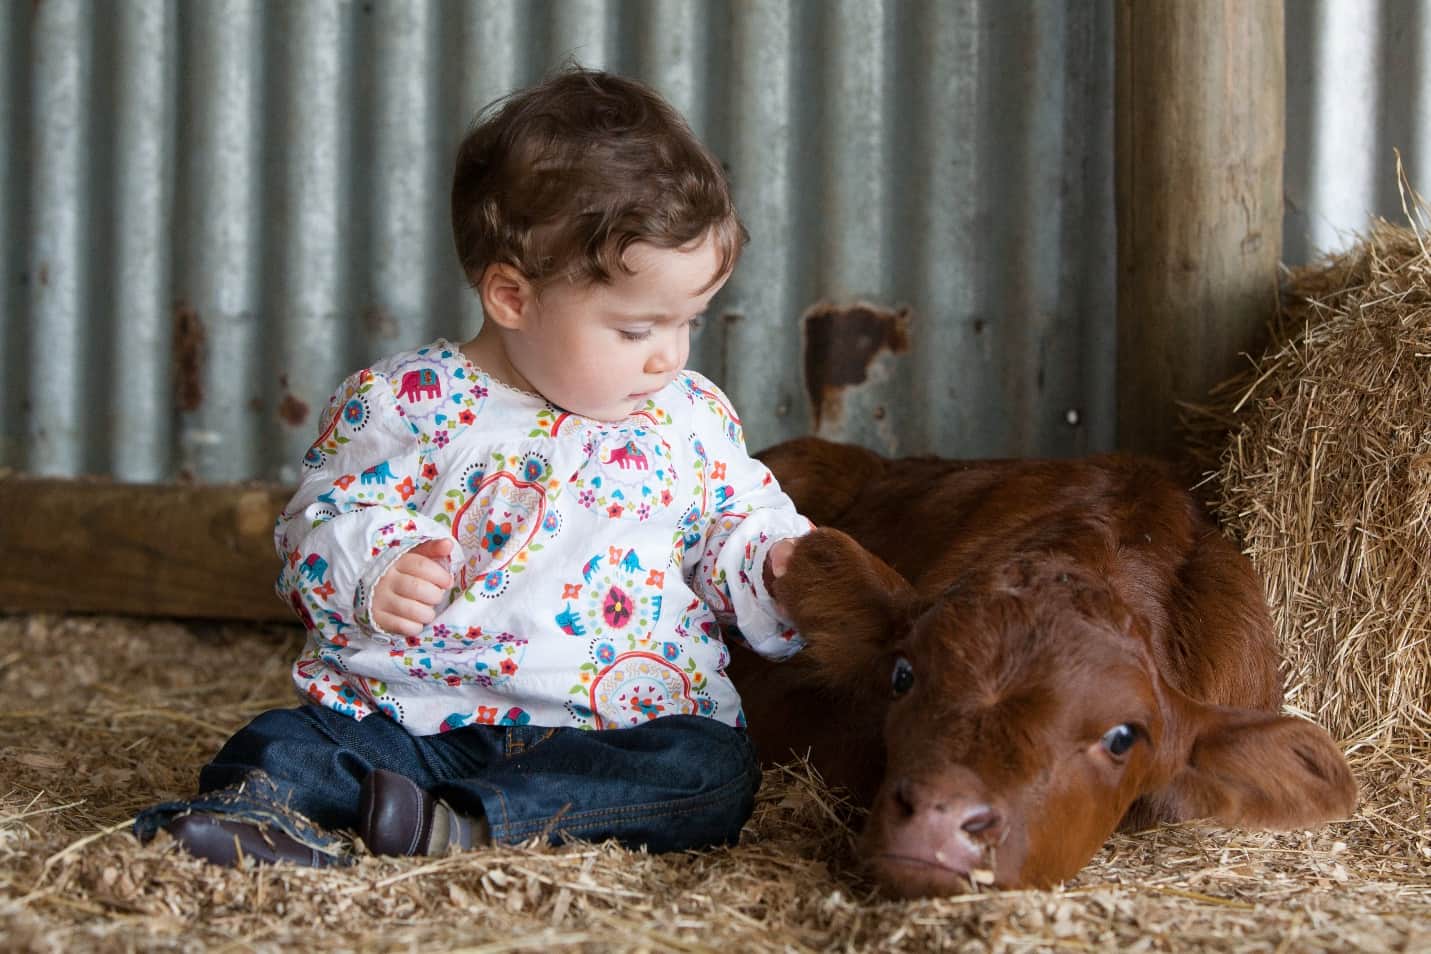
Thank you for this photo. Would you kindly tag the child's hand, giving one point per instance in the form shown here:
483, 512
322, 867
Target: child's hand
405, 598
776, 560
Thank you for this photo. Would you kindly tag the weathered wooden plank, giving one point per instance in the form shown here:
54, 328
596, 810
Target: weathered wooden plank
147, 550
1200, 136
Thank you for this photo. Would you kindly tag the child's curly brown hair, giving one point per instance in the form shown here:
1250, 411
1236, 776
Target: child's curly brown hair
559, 179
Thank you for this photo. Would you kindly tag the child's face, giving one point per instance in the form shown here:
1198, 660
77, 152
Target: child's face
601, 350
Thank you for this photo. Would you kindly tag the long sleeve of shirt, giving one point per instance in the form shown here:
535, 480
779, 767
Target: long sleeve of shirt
745, 513
357, 510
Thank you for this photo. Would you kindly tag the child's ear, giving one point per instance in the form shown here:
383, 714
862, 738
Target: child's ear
507, 295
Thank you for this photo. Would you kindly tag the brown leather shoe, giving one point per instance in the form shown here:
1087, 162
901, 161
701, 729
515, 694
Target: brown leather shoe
396, 816
224, 841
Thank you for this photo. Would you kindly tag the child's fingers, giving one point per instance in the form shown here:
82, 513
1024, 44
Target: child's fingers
396, 625
403, 616
423, 567
414, 587
437, 553
438, 549
780, 555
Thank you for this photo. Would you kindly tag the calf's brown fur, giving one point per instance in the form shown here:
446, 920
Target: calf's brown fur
1008, 659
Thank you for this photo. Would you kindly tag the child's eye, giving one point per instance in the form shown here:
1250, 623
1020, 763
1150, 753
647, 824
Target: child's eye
636, 335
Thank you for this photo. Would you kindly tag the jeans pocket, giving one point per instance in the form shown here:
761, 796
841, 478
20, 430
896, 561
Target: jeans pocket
521, 739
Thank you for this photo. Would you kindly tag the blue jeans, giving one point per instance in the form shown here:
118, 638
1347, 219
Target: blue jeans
673, 783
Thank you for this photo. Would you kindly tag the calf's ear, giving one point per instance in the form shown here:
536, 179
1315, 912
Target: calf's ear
847, 603
1254, 769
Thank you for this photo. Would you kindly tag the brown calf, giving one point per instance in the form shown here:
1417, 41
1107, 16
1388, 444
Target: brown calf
1016, 656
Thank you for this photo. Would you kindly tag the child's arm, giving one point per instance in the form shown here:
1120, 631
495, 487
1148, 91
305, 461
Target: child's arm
356, 516
743, 538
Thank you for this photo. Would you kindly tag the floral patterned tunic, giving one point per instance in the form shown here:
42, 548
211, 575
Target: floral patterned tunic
595, 563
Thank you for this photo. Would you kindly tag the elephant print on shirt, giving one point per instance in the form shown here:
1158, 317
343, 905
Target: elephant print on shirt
628, 455
629, 473
379, 473
314, 568
419, 385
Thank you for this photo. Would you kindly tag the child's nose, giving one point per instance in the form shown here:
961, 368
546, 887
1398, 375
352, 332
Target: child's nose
665, 359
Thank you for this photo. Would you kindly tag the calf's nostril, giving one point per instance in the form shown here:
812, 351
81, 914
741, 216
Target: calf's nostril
904, 797
981, 819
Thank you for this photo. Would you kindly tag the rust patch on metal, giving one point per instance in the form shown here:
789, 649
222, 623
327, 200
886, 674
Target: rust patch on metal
190, 352
292, 411
380, 323
841, 342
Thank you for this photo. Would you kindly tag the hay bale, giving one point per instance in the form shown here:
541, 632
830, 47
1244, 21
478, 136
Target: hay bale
1325, 477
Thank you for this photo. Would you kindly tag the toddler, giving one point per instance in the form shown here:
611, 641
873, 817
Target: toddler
517, 557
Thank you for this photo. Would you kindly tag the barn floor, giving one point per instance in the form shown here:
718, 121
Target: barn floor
101, 717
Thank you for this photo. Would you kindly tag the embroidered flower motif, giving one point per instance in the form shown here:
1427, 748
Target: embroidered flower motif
616, 608
466, 417
496, 536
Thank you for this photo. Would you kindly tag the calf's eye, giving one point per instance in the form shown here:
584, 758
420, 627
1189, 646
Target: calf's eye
902, 679
1119, 739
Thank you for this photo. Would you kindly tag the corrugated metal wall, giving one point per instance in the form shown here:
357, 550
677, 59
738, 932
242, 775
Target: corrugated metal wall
1358, 87
213, 211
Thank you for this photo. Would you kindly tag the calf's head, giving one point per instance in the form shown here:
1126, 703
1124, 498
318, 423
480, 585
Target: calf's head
1023, 716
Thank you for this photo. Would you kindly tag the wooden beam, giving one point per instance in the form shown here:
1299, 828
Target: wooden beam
146, 550
1200, 136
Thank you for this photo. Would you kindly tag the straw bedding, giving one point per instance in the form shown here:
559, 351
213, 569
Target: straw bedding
103, 716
